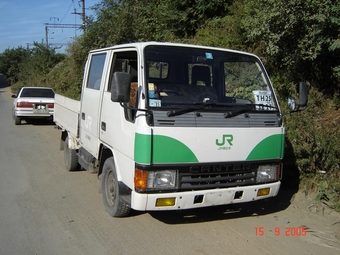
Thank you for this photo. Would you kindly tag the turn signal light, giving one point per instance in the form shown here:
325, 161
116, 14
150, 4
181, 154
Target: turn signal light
169, 201
141, 179
263, 192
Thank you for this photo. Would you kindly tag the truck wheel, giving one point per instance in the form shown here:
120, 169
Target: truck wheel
110, 191
70, 157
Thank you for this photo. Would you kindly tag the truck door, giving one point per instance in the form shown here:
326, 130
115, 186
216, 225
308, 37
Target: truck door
91, 102
117, 123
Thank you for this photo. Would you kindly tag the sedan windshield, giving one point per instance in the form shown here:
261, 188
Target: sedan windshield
182, 77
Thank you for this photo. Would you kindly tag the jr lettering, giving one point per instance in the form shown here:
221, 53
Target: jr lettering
88, 122
225, 138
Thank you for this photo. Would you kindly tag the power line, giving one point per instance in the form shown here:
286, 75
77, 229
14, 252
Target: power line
47, 26
66, 12
81, 13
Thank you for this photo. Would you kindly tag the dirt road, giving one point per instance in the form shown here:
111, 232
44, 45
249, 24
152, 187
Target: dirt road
46, 210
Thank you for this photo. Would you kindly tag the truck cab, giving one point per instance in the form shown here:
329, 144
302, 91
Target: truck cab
175, 126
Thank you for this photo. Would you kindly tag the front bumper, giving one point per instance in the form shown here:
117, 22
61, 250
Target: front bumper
188, 199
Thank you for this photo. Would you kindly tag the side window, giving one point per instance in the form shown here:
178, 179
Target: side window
96, 71
126, 61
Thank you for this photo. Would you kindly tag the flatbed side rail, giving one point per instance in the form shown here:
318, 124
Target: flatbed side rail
66, 114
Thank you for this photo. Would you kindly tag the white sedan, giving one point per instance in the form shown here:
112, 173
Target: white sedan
33, 102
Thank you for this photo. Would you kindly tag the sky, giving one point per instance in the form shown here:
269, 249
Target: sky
22, 22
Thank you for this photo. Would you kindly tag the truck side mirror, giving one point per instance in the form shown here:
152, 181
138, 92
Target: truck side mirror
120, 87
303, 98
303, 94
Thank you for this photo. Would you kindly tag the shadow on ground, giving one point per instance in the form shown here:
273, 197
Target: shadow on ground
3, 82
37, 122
232, 211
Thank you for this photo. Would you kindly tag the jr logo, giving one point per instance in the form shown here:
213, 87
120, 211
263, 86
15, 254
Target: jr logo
228, 138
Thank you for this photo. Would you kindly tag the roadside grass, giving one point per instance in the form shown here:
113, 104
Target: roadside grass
315, 138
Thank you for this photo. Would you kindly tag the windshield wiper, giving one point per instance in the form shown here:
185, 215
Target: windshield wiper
235, 113
199, 106
246, 109
191, 109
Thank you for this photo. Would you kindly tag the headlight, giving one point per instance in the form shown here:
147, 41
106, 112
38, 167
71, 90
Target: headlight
162, 179
155, 180
268, 173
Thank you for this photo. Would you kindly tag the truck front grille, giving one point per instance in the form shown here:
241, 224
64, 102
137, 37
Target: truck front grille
211, 180
203, 176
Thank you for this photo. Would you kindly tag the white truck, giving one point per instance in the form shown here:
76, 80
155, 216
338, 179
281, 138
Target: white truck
174, 126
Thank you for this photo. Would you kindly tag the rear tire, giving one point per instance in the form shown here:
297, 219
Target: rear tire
17, 120
70, 157
113, 203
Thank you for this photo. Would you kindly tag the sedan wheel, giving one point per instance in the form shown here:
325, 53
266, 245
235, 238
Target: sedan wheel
17, 120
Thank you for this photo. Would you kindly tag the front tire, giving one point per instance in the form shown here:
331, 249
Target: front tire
70, 157
113, 203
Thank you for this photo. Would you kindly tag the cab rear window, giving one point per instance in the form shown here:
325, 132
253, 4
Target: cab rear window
158, 70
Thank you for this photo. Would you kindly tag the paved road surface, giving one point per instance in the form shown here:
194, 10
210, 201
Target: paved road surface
46, 210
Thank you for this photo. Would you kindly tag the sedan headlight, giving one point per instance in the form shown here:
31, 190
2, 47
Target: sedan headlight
155, 180
268, 173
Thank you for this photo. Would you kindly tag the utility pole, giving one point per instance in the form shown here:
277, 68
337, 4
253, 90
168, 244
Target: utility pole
47, 25
46, 34
82, 14
46, 28
54, 18
54, 25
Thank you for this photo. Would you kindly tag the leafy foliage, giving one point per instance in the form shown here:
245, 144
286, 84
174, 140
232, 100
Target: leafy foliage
190, 15
25, 67
314, 135
10, 62
127, 21
300, 36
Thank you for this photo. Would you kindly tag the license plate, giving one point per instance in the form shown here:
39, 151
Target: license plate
263, 97
40, 108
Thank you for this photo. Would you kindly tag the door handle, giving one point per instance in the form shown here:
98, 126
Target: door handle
103, 126
83, 115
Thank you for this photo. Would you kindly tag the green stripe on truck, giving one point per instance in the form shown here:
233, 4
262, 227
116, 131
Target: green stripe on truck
158, 149
271, 147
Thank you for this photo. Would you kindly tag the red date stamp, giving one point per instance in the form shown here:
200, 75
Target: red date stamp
299, 231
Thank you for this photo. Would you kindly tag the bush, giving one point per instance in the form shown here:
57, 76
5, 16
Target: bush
315, 140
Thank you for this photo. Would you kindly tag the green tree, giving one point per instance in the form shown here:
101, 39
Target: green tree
126, 21
10, 62
301, 37
225, 31
144, 20
38, 63
189, 15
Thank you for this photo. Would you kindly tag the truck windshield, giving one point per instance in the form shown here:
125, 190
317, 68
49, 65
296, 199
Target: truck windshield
182, 77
